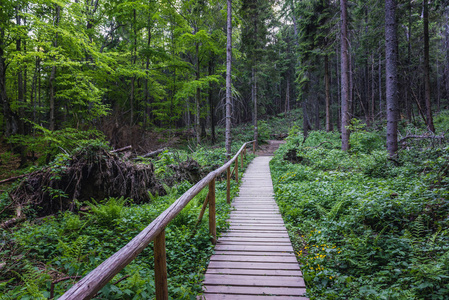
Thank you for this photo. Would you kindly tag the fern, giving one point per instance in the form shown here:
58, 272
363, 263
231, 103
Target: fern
335, 210
110, 211
76, 249
32, 279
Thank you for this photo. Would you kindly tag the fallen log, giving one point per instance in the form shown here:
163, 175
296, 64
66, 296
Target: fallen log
122, 149
11, 179
19, 218
151, 154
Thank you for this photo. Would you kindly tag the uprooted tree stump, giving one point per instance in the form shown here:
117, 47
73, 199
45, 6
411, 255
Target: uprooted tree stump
91, 173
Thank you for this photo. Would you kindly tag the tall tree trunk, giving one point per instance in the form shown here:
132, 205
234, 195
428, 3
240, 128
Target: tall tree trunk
391, 45
408, 87
254, 96
20, 82
133, 79
198, 96
10, 118
380, 85
211, 104
53, 74
228, 78
373, 95
345, 92
147, 71
430, 125
327, 88
287, 95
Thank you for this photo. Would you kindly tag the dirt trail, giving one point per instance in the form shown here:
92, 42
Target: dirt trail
268, 149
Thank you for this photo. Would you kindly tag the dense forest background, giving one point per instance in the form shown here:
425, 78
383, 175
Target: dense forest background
358, 89
125, 66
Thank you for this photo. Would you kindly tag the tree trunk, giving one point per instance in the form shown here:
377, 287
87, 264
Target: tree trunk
408, 87
372, 110
211, 104
429, 118
228, 78
327, 88
198, 96
345, 92
52, 126
147, 71
287, 95
391, 62
254, 96
380, 85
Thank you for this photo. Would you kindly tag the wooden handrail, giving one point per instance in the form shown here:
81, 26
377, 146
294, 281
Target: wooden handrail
89, 285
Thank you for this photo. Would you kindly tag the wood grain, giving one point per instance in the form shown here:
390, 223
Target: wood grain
254, 259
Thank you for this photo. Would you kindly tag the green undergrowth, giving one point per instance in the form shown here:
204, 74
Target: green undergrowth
36, 254
364, 226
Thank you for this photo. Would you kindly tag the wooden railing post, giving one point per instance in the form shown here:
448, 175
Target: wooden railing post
241, 159
160, 267
228, 185
237, 170
212, 224
254, 147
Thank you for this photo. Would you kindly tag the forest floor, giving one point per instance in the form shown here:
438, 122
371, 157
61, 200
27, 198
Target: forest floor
9, 163
269, 148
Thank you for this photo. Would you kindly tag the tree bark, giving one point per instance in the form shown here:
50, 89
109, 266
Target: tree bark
254, 96
197, 99
429, 118
211, 104
345, 92
391, 46
52, 126
228, 78
327, 88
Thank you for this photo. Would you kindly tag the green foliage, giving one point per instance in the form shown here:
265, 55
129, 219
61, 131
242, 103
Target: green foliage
51, 143
108, 212
441, 121
362, 226
73, 244
263, 131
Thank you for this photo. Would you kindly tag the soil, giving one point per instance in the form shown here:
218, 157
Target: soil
268, 149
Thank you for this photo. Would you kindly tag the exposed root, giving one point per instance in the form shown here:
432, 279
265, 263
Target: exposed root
90, 173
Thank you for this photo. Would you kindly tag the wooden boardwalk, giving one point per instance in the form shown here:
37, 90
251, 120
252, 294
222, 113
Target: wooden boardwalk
254, 259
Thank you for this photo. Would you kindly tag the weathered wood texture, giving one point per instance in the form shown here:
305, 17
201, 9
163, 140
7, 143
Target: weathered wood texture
254, 259
89, 285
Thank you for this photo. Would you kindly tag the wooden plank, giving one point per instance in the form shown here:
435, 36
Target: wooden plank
254, 258
255, 239
256, 272
248, 280
262, 223
243, 258
233, 290
256, 234
255, 243
207, 296
257, 228
217, 264
251, 253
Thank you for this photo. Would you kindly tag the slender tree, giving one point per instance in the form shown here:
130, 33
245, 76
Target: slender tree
228, 77
391, 47
344, 76
429, 116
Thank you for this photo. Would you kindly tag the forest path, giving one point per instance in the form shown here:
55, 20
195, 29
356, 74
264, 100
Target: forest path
269, 148
254, 258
